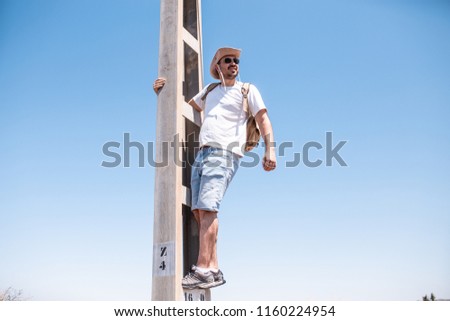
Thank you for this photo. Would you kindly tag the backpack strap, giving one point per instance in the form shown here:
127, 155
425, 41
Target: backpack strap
245, 89
209, 89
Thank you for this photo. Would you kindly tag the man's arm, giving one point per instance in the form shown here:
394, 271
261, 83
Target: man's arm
265, 126
159, 84
193, 104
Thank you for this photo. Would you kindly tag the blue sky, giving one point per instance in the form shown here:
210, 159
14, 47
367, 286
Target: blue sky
74, 75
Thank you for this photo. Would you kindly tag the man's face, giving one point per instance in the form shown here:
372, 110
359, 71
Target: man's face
229, 65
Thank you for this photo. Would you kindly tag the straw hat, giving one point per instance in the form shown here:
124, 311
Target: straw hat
220, 53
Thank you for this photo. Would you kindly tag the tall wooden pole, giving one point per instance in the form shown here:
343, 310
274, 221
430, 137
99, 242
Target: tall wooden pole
175, 234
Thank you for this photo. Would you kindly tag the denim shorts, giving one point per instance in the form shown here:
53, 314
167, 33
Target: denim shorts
212, 172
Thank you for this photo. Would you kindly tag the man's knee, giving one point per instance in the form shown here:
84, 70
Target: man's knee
208, 221
207, 214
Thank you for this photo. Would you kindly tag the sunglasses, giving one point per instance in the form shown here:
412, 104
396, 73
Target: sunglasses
229, 60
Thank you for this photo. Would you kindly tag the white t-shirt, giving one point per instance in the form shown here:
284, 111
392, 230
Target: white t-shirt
225, 122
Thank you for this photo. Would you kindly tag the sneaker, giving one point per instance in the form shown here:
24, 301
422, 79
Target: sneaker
197, 279
218, 280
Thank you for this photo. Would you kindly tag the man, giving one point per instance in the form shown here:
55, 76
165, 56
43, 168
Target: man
222, 140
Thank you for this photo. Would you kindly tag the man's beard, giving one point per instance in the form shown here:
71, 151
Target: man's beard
227, 76
231, 75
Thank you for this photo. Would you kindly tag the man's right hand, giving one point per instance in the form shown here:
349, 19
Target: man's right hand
158, 84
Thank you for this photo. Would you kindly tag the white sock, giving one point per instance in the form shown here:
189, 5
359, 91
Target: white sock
202, 270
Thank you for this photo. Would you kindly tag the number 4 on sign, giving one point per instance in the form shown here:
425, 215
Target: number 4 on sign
163, 259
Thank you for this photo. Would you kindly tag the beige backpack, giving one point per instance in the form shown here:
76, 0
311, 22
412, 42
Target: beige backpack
253, 133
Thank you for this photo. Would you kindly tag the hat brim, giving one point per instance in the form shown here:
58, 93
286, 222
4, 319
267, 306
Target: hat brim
220, 53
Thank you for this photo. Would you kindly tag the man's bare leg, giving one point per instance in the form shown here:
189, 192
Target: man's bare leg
197, 218
208, 231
